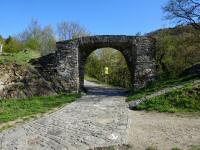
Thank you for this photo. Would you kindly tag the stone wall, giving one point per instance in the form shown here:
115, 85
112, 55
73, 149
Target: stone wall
138, 52
145, 63
63, 71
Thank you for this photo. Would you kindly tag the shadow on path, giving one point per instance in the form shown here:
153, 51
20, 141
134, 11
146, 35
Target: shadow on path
102, 90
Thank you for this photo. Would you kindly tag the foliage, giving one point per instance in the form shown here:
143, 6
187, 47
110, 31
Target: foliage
182, 100
14, 109
119, 74
184, 11
12, 45
32, 43
20, 57
36, 38
48, 42
176, 49
1, 40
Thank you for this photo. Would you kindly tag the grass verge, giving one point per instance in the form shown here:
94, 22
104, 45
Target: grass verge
14, 109
186, 99
159, 85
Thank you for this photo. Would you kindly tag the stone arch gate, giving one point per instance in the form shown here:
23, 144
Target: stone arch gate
64, 69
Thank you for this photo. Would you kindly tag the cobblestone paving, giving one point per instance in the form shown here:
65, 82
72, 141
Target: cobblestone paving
98, 119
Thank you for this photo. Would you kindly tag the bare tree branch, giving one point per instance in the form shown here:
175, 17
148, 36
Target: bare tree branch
184, 11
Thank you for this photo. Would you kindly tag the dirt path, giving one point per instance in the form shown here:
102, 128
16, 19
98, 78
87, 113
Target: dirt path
162, 131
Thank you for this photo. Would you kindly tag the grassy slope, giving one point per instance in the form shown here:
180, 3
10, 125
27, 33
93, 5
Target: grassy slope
182, 100
20, 57
14, 109
159, 85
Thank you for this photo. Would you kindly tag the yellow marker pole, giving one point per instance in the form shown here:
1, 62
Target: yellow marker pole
106, 70
106, 73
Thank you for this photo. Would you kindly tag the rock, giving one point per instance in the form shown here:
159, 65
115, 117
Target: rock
19, 82
194, 70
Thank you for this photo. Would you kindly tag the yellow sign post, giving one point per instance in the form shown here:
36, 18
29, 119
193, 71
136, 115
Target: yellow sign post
106, 71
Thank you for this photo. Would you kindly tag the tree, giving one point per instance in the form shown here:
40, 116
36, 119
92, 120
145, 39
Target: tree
12, 45
33, 31
176, 49
37, 38
48, 42
184, 12
70, 30
1, 39
32, 43
31, 36
119, 74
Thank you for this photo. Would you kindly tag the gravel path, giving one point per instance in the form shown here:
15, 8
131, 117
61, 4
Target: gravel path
163, 131
97, 119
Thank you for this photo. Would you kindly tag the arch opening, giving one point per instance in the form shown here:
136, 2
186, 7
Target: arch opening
106, 65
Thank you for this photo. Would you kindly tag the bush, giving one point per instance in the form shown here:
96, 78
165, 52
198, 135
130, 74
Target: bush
12, 45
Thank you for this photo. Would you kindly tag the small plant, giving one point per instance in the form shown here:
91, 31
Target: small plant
176, 148
194, 147
151, 148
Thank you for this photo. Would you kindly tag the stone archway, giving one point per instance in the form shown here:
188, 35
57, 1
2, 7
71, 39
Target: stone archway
65, 68
109, 62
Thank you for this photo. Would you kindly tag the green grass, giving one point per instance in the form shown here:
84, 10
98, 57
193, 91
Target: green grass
86, 77
20, 57
14, 109
194, 147
151, 148
159, 85
123, 147
182, 100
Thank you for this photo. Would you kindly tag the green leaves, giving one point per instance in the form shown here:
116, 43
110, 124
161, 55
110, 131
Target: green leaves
12, 45
119, 74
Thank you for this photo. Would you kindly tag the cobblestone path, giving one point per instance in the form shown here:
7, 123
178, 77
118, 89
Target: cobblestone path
98, 119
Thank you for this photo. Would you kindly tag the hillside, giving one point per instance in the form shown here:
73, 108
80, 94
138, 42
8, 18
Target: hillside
176, 49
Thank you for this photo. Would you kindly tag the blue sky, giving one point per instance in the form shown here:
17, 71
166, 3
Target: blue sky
98, 16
